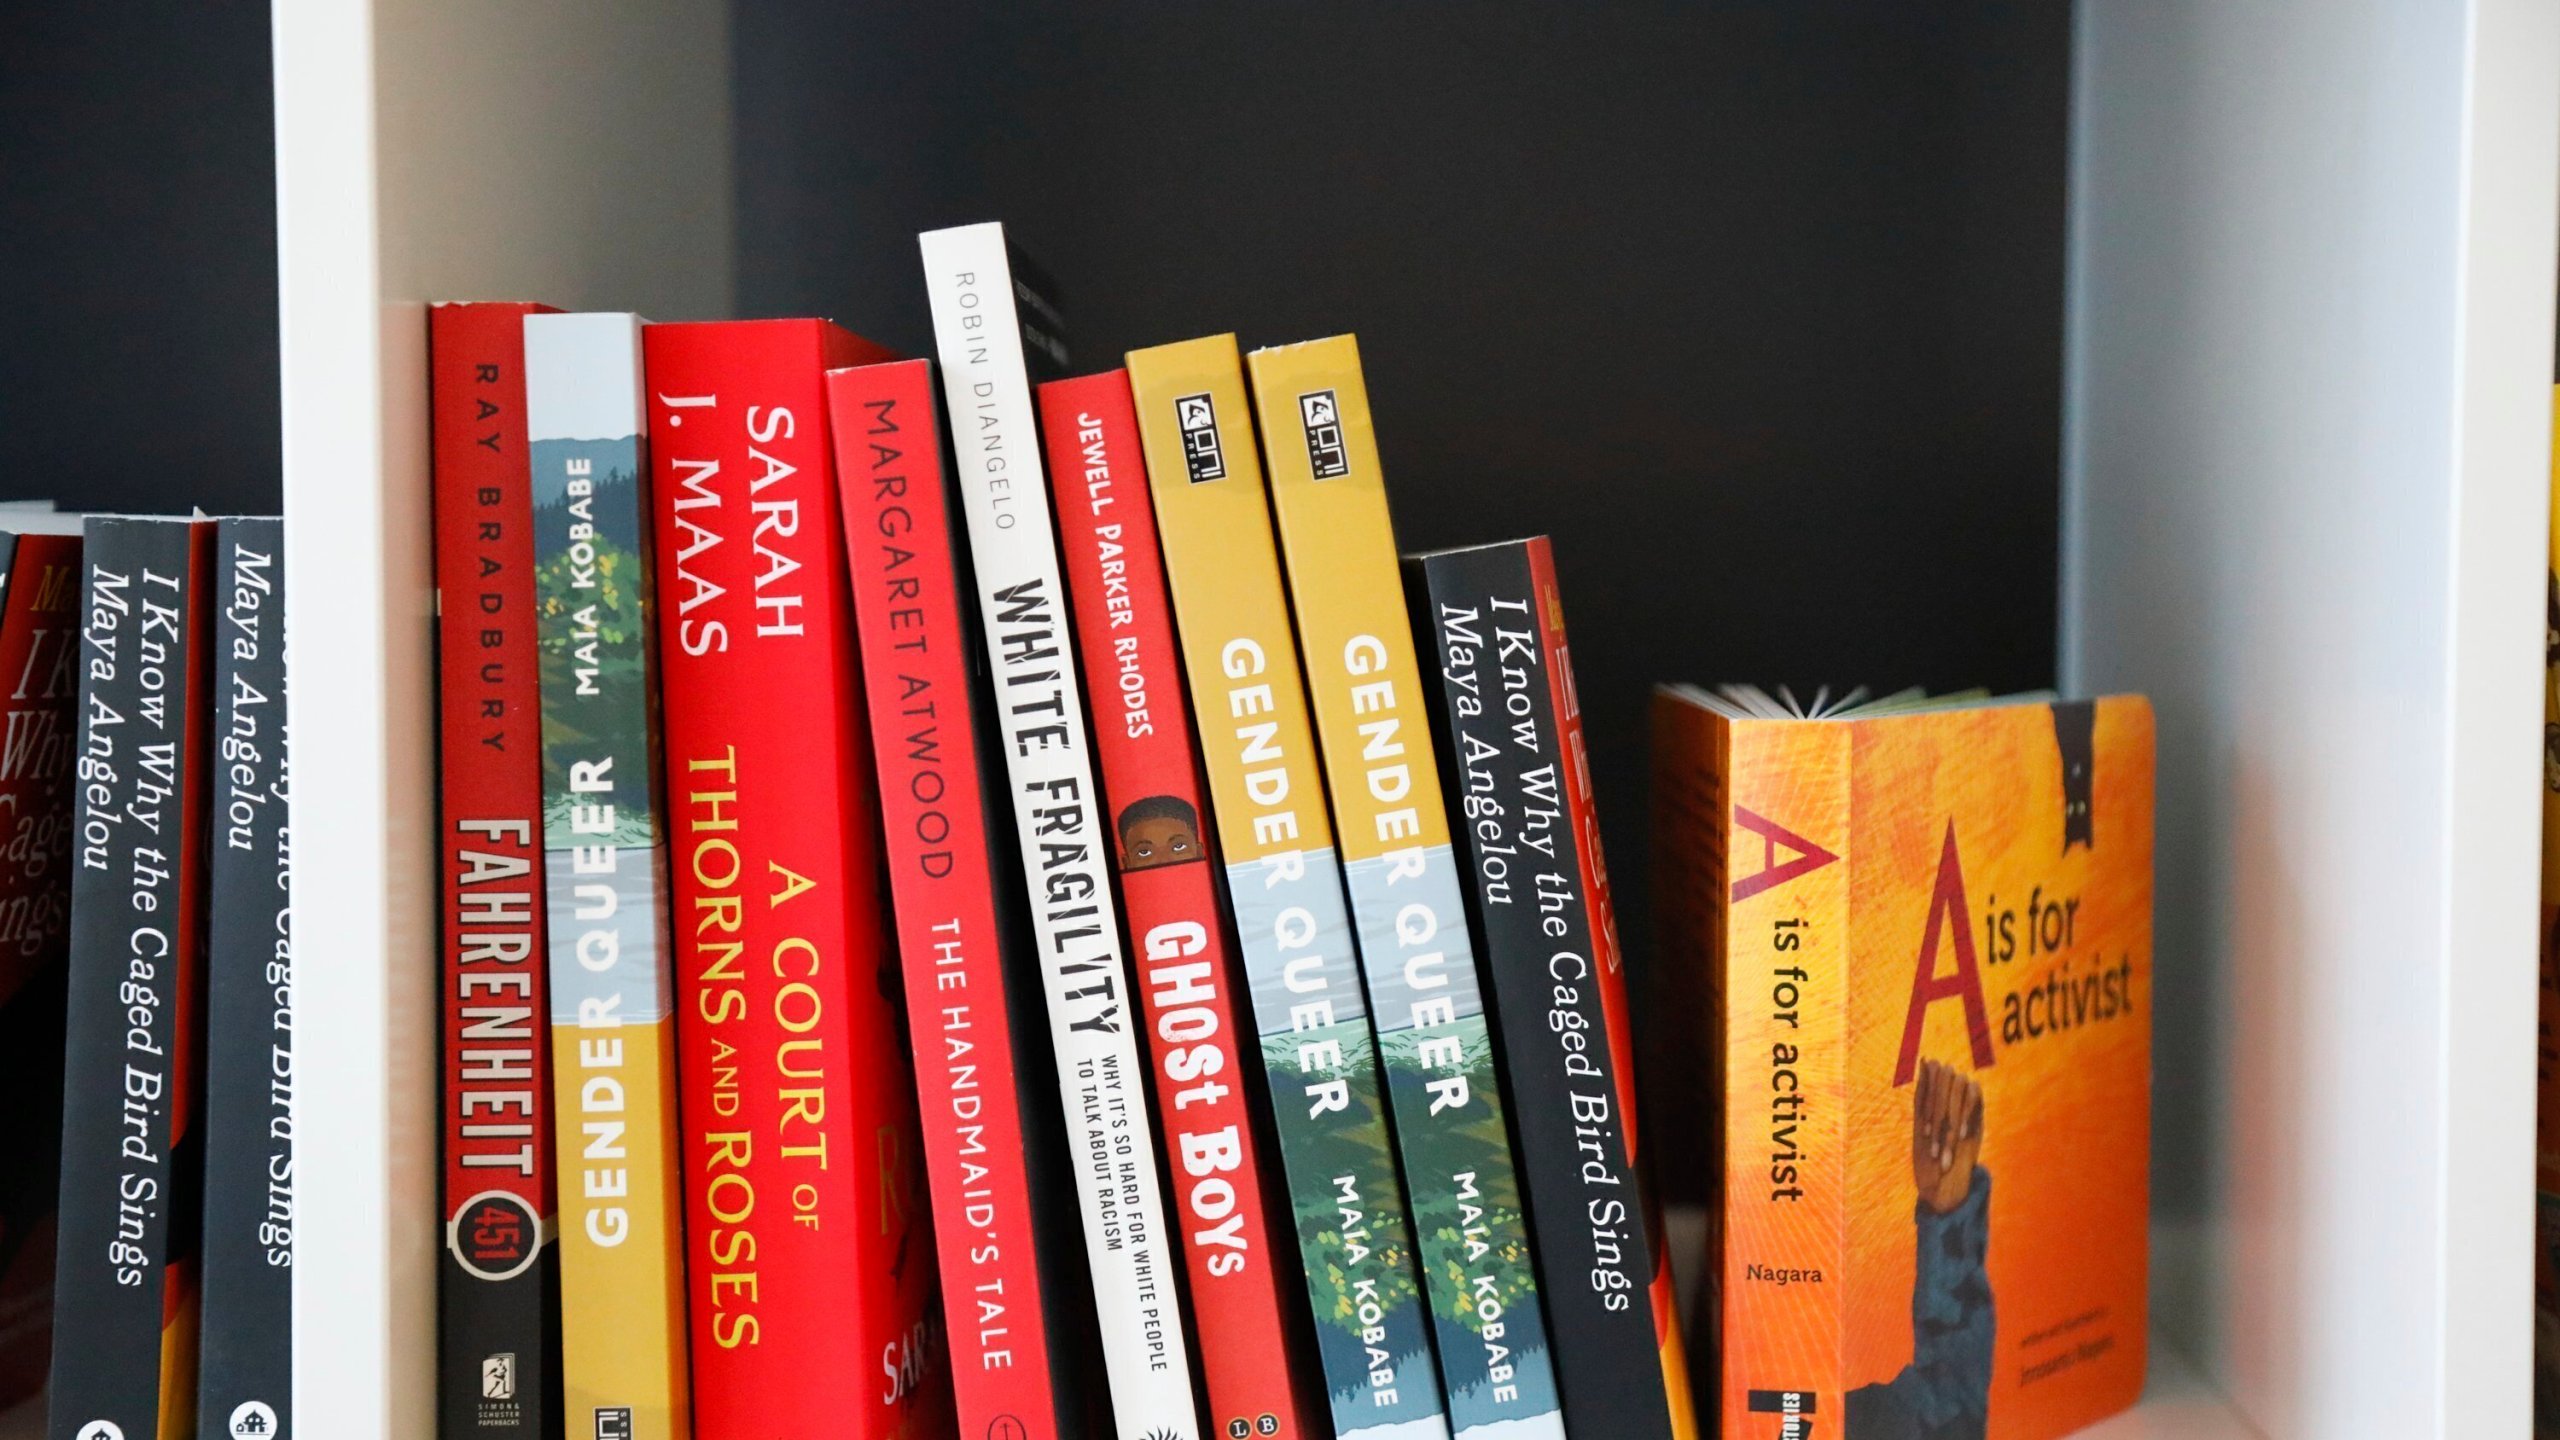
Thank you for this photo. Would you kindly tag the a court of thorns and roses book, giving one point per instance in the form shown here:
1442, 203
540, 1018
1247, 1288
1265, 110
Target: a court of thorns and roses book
1924, 934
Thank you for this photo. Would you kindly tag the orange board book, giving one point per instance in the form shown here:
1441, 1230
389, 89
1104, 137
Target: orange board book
1921, 932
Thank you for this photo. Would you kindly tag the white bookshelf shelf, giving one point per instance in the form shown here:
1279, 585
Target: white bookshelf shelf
2307, 425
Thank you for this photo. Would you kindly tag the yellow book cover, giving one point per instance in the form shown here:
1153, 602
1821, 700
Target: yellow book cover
1929, 929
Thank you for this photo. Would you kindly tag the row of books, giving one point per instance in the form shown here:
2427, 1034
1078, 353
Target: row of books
1014, 961
146, 1199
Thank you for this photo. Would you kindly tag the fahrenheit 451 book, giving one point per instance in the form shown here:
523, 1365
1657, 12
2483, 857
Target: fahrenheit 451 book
1284, 884
622, 1317
806, 1234
1924, 936
1188, 975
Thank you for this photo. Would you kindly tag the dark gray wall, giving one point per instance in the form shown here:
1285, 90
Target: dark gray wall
1756, 308
138, 257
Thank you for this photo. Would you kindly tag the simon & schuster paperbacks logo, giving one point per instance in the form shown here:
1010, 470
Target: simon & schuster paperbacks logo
1198, 421
1323, 421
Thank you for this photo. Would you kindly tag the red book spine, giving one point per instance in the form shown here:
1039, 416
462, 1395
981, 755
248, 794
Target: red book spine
497, 1367
915, 656
1188, 969
811, 1290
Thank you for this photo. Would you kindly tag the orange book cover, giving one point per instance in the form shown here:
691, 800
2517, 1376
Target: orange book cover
1924, 937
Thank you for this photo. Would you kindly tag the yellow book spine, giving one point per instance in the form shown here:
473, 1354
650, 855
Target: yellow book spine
621, 1246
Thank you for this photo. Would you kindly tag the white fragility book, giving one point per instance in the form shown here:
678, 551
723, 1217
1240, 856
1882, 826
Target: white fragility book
1058, 814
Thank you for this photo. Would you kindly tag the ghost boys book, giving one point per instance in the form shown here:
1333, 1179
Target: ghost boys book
1284, 885
622, 1315
126, 1297
1924, 937
1407, 898
983, 323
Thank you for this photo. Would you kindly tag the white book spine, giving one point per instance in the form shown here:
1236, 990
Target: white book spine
995, 454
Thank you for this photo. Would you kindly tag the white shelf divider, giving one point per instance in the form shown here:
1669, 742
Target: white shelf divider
428, 150
2307, 459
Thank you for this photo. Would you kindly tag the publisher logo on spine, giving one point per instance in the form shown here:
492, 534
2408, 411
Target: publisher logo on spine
252, 1420
1323, 419
614, 1424
1793, 1407
1199, 423
498, 1376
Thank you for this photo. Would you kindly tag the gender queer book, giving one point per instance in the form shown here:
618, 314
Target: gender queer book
1284, 886
994, 1145
39, 688
1913, 942
245, 1388
806, 1233
1408, 894
1187, 968
622, 1313
1102, 1079
498, 1271
1490, 618
126, 1291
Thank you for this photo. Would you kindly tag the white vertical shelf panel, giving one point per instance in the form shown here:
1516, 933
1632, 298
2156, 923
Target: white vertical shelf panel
2306, 461
428, 150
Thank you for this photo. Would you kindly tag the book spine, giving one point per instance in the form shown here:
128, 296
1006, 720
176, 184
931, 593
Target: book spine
1785, 944
942, 877
1168, 881
125, 1302
1481, 609
1609, 973
623, 1355
246, 1387
803, 1210
39, 717
498, 1274
1284, 883
1040, 710
1407, 898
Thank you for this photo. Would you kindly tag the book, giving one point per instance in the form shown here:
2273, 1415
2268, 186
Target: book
979, 328
1004, 1223
806, 1231
1284, 886
39, 655
245, 1381
497, 1268
125, 1273
623, 1358
1188, 973
2546, 1238
1917, 940
1488, 616
1408, 900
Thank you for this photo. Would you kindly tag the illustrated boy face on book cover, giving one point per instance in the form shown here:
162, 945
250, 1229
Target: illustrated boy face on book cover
1158, 830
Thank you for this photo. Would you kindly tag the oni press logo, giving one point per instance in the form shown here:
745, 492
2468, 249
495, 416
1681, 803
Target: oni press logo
498, 1376
1793, 1407
614, 1424
1198, 421
1323, 419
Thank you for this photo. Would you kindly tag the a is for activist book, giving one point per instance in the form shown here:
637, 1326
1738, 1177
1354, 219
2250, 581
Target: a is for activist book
1189, 975
984, 321
1492, 624
245, 1389
39, 685
1408, 897
126, 1277
806, 1234
498, 1274
1915, 943
1005, 1224
622, 1299
1284, 887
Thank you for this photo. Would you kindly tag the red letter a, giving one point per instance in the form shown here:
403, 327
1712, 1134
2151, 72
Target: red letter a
1928, 986
1807, 856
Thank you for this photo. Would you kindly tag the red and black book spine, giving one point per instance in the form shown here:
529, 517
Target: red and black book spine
39, 681
810, 1268
125, 1297
246, 1385
974, 1005
498, 1290
1188, 972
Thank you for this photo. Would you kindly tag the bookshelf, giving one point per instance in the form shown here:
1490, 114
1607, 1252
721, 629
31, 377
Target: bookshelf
2305, 437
